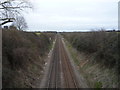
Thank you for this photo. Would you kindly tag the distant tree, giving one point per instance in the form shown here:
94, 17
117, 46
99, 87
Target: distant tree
20, 23
10, 8
12, 27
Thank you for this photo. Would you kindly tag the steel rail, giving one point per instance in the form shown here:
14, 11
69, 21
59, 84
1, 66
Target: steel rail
52, 82
66, 60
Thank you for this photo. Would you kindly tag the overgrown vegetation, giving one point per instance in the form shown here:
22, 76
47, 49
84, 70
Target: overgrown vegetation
98, 70
23, 57
104, 45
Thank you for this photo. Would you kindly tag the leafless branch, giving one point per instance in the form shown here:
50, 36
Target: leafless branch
9, 20
10, 8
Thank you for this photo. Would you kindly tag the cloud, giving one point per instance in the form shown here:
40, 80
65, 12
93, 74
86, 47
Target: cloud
73, 14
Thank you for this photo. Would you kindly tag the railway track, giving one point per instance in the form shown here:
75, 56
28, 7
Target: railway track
69, 77
54, 77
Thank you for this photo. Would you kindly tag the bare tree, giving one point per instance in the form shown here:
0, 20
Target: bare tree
10, 8
20, 23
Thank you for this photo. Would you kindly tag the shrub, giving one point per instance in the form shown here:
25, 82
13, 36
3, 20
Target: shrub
103, 44
21, 51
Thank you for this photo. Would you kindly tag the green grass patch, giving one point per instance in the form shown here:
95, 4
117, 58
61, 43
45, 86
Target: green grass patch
98, 85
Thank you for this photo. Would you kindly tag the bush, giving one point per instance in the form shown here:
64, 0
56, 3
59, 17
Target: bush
21, 52
101, 43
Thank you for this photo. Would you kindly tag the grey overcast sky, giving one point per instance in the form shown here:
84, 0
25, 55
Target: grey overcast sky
69, 15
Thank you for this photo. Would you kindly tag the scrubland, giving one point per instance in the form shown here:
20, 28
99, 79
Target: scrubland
96, 53
23, 56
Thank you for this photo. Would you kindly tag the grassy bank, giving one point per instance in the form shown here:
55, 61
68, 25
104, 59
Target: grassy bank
96, 54
23, 57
